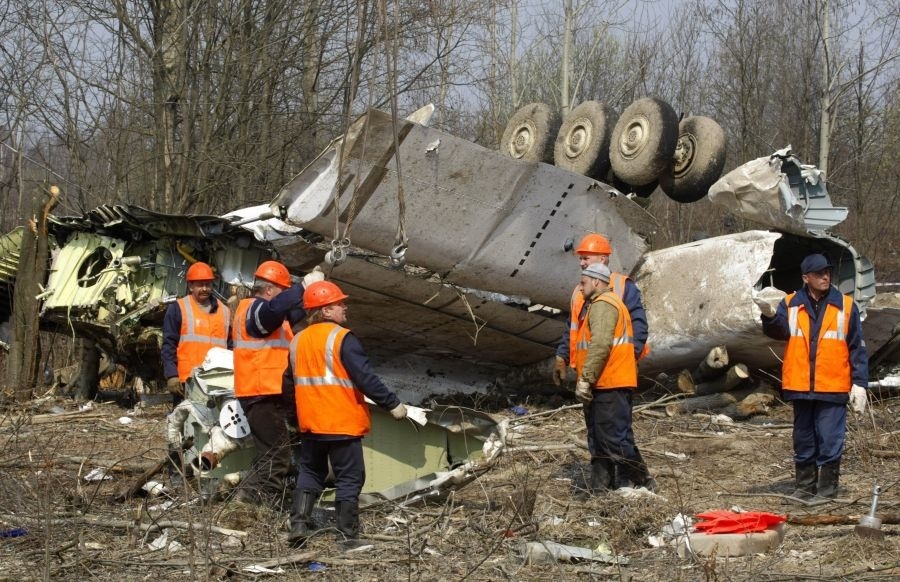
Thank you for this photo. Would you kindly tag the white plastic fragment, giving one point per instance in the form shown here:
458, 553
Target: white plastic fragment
98, 474
125, 420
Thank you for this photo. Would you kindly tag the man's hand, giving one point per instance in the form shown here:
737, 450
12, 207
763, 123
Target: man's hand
583, 391
399, 412
767, 300
859, 399
560, 371
315, 275
175, 386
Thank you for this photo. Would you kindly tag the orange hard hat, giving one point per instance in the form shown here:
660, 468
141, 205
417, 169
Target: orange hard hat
200, 272
322, 293
594, 244
274, 272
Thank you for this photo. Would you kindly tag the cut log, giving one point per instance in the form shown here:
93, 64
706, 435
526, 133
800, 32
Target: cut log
718, 401
753, 405
886, 519
686, 383
733, 378
712, 365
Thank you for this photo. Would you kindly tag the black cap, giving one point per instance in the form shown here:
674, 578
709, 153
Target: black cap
814, 263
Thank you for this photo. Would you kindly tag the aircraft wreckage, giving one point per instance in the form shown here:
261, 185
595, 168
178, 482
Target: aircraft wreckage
458, 264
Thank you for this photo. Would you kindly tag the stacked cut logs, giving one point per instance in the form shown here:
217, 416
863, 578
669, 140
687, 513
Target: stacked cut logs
714, 386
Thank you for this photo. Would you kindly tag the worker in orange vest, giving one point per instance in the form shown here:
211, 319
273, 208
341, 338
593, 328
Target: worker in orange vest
262, 334
329, 377
604, 359
593, 249
192, 325
825, 368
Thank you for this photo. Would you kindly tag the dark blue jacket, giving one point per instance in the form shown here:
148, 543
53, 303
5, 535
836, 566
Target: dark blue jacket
172, 335
634, 304
264, 317
776, 327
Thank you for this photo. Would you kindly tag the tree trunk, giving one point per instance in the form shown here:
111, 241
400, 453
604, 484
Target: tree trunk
25, 349
716, 402
87, 383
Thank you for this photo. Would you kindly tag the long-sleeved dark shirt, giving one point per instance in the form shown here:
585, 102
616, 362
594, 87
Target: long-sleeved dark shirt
777, 327
172, 335
364, 379
264, 317
634, 303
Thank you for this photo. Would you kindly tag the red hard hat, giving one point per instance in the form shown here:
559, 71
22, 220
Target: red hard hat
274, 272
594, 244
322, 293
200, 272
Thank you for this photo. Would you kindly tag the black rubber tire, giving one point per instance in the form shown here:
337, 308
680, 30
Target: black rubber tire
582, 145
698, 161
643, 191
644, 141
530, 132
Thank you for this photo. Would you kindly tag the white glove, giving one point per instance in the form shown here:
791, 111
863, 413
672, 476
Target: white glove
399, 411
416, 414
583, 391
858, 399
767, 299
315, 275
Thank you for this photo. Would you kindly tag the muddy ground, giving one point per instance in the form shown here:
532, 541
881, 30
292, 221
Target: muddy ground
55, 524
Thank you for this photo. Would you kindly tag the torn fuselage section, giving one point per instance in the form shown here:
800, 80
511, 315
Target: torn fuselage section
114, 270
404, 462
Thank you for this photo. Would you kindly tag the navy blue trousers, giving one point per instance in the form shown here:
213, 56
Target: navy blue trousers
346, 456
609, 431
819, 429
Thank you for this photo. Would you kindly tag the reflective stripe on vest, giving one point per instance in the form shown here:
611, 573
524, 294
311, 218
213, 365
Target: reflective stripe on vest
327, 401
620, 370
832, 372
259, 363
199, 332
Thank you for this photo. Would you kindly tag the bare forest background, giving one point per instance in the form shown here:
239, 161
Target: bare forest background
204, 107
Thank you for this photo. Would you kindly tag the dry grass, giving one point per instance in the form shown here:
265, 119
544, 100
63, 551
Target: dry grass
76, 529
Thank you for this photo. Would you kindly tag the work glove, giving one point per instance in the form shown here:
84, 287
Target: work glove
399, 412
858, 399
417, 415
583, 391
315, 275
767, 300
175, 386
560, 371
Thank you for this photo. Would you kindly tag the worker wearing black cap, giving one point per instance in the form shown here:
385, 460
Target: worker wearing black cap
825, 368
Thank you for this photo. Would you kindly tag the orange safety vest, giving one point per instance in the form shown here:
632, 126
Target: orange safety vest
833, 372
199, 332
259, 363
617, 283
327, 401
620, 370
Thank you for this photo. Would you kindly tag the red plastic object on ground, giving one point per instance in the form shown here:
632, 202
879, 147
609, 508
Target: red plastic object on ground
722, 521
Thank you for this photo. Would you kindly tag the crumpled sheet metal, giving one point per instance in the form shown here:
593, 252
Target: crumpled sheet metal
780, 192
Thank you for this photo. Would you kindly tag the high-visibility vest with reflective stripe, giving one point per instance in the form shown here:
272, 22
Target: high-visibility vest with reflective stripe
199, 332
259, 363
832, 364
620, 370
327, 401
617, 283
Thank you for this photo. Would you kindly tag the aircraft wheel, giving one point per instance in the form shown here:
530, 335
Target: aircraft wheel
643, 141
530, 132
698, 161
582, 144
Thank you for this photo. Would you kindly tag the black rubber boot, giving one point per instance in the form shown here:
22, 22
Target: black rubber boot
301, 517
348, 524
622, 475
601, 476
828, 480
806, 475
640, 474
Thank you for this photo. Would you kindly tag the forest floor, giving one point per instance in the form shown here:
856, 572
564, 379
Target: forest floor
56, 524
